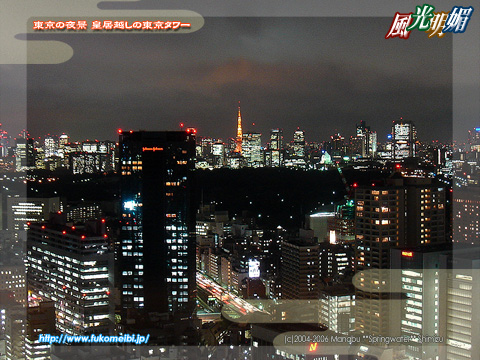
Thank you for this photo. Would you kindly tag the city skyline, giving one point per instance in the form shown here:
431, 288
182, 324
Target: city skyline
317, 255
288, 137
285, 169
245, 149
277, 68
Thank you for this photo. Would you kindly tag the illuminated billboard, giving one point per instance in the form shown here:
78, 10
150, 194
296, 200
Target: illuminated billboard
253, 268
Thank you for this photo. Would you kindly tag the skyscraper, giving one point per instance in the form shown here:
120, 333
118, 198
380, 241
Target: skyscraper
372, 144
51, 146
379, 223
252, 149
275, 148
157, 246
4, 142
362, 135
70, 266
466, 205
462, 305
404, 137
94, 157
63, 140
366, 139
422, 275
405, 212
297, 154
300, 270
24, 154
299, 143
218, 154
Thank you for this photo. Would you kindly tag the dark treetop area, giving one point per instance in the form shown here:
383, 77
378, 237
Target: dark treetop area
268, 196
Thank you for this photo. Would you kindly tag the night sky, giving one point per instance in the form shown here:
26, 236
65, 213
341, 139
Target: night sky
320, 74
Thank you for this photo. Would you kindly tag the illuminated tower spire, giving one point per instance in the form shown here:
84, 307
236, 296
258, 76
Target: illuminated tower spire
238, 148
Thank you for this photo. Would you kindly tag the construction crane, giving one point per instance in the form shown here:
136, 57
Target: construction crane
348, 194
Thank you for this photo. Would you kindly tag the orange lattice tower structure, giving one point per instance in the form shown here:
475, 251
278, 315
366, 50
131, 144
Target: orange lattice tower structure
238, 148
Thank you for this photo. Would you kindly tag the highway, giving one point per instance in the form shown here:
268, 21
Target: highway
225, 296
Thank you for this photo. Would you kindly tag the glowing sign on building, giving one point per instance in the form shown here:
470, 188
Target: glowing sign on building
407, 253
253, 268
333, 237
129, 205
152, 149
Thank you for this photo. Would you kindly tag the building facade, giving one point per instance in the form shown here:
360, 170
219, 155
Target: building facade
403, 212
157, 243
300, 270
70, 266
404, 138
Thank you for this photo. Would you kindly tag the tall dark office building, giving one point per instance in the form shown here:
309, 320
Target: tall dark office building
405, 212
157, 246
300, 270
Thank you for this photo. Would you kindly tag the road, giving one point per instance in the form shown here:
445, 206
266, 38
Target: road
225, 296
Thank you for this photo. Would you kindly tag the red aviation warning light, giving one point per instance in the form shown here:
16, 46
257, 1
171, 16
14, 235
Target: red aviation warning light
119, 131
191, 131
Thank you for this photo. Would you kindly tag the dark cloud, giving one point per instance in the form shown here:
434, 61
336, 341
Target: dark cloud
321, 74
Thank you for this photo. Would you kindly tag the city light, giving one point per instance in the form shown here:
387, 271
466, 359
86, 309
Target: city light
334, 227
253, 268
129, 205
